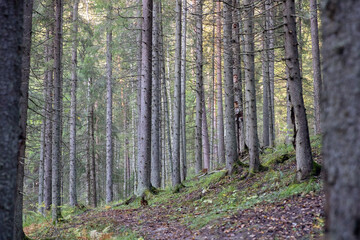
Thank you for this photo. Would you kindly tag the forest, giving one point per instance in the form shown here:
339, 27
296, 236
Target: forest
179, 119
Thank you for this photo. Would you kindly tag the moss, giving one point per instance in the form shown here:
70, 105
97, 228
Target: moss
316, 169
178, 188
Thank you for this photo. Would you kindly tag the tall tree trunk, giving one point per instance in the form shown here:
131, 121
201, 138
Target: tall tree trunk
41, 161
72, 182
199, 85
316, 63
250, 93
87, 144
25, 75
269, 5
93, 153
230, 135
144, 145
304, 159
183, 91
56, 143
109, 142
11, 36
341, 122
266, 81
220, 111
176, 179
238, 96
155, 108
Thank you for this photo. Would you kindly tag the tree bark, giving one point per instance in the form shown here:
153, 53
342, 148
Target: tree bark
205, 136
341, 122
199, 85
155, 108
72, 119
220, 111
250, 93
176, 179
304, 159
144, 145
109, 141
230, 135
56, 143
11, 36
316, 64
266, 81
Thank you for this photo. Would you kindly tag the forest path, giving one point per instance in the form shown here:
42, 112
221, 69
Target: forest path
298, 217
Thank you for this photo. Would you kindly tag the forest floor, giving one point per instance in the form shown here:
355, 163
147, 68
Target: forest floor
267, 205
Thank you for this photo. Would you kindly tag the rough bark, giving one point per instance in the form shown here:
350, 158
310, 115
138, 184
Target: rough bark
109, 140
238, 96
199, 87
266, 81
72, 119
316, 64
304, 159
219, 97
183, 91
144, 144
205, 136
56, 143
250, 93
176, 179
230, 134
155, 108
11, 35
341, 122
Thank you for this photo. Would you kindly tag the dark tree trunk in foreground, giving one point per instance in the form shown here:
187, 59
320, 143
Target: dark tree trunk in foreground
341, 122
316, 64
304, 159
144, 144
250, 94
25, 74
230, 136
11, 34
199, 87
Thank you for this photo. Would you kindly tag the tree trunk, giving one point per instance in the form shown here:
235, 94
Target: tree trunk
56, 143
144, 145
205, 135
93, 154
238, 96
25, 74
316, 64
72, 119
155, 108
304, 160
87, 144
220, 111
266, 81
11, 35
183, 91
199, 85
109, 142
250, 94
230, 135
177, 99
341, 122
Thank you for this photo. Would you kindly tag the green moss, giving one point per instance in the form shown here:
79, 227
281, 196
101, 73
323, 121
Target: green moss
316, 169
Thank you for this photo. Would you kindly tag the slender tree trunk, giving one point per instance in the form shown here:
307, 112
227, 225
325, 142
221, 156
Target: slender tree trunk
238, 96
250, 93
213, 158
87, 145
220, 111
183, 92
109, 141
341, 122
230, 134
316, 63
266, 81
56, 144
25, 74
93, 155
205, 135
155, 108
199, 85
304, 159
11, 127
144, 145
72, 182
41, 164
